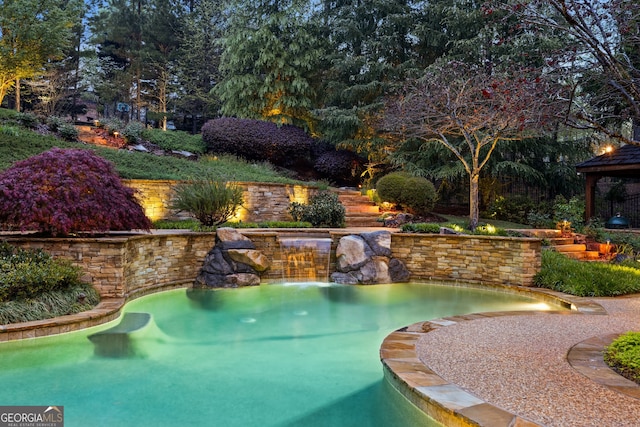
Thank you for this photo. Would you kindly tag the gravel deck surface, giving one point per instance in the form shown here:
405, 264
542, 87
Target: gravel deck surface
519, 363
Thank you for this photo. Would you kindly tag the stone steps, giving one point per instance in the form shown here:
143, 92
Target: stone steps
360, 210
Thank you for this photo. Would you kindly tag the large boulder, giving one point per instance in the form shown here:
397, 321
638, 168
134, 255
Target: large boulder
379, 242
251, 257
232, 262
366, 259
352, 253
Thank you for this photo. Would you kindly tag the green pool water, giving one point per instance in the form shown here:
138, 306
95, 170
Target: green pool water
274, 355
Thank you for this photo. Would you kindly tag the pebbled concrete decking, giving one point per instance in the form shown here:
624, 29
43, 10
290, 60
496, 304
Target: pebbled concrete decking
518, 368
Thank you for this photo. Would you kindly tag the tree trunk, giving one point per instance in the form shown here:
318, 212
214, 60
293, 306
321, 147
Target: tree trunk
17, 93
474, 195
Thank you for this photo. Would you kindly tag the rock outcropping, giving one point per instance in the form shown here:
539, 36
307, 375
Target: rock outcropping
366, 259
233, 262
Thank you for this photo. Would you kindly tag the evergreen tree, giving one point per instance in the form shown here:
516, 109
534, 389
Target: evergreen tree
199, 60
268, 60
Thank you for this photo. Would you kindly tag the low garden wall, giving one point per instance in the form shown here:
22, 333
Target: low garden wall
122, 266
155, 196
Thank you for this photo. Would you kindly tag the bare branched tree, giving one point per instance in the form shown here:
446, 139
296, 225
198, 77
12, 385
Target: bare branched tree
470, 111
601, 55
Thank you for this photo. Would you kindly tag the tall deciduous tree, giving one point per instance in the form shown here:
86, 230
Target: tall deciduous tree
600, 53
32, 33
269, 56
470, 110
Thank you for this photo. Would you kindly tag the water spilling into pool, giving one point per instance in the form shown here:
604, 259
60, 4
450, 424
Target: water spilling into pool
305, 259
272, 355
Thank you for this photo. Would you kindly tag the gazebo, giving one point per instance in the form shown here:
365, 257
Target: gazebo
623, 162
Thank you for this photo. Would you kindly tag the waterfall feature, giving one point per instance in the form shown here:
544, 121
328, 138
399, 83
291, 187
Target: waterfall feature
305, 259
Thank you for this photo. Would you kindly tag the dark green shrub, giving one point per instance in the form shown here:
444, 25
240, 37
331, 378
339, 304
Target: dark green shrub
68, 132
571, 211
623, 356
8, 115
414, 194
418, 195
422, 227
28, 273
211, 202
324, 210
59, 192
54, 123
28, 120
132, 132
513, 208
389, 187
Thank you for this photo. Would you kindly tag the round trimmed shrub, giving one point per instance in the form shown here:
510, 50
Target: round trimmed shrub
60, 192
389, 187
418, 195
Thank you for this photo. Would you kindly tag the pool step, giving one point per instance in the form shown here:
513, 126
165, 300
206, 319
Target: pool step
115, 341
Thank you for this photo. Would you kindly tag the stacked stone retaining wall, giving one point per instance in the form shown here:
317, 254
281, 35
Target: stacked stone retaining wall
262, 201
121, 266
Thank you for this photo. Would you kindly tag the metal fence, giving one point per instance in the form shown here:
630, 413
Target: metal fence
629, 208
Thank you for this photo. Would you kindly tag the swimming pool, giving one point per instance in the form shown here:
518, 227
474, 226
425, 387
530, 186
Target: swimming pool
272, 355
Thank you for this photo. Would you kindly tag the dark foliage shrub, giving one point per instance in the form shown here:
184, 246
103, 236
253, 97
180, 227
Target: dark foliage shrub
54, 123
421, 227
28, 273
340, 166
212, 202
324, 210
28, 120
418, 195
389, 187
132, 132
68, 132
257, 140
59, 192
513, 208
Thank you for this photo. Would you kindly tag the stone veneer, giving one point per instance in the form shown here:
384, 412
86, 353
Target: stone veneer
262, 201
122, 265
487, 259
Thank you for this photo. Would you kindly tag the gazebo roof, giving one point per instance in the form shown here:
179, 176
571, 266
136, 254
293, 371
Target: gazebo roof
623, 161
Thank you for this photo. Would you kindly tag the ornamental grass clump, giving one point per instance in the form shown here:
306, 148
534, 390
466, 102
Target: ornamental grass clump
65, 191
210, 201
